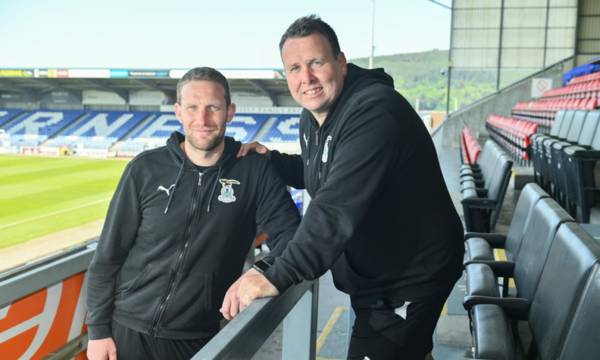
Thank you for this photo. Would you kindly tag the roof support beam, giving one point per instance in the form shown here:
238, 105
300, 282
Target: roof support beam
260, 88
102, 86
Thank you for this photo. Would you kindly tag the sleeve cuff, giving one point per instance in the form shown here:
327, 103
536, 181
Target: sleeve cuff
277, 276
96, 332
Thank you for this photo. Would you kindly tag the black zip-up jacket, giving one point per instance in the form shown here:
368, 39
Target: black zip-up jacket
176, 237
380, 216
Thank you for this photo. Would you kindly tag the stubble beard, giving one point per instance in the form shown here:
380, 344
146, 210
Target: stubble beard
209, 146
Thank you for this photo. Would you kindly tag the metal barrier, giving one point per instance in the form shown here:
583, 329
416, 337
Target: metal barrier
59, 280
42, 305
27, 279
244, 335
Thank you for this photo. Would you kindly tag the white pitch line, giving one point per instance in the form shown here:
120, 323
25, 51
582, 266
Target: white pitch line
62, 211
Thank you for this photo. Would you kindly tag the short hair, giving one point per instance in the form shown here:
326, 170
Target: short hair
204, 74
308, 25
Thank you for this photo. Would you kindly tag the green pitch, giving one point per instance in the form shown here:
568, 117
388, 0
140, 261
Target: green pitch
39, 195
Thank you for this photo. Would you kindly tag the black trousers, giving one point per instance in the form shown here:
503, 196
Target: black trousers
395, 330
133, 345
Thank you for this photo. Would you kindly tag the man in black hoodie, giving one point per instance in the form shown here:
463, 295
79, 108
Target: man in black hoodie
178, 229
380, 218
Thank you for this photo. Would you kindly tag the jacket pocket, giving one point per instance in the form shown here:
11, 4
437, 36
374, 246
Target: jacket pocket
192, 307
136, 282
348, 279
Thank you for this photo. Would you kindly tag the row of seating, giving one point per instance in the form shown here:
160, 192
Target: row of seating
583, 72
577, 90
587, 77
103, 129
542, 112
555, 265
513, 135
483, 187
564, 161
469, 147
582, 93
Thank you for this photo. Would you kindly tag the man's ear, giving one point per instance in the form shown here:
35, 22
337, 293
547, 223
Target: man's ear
341, 59
230, 112
178, 112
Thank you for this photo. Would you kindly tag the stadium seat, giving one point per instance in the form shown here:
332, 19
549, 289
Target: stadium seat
480, 246
527, 264
563, 307
481, 206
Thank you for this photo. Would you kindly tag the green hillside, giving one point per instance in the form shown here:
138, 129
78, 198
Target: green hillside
419, 75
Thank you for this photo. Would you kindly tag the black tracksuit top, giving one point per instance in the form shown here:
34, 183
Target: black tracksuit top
176, 237
380, 216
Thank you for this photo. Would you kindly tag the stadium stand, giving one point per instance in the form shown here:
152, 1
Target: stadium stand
527, 261
37, 126
480, 246
469, 146
561, 307
513, 135
128, 133
7, 115
555, 167
97, 129
284, 129
482, 204
482, 168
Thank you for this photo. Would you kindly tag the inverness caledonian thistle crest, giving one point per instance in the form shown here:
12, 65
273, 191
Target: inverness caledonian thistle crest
227, 196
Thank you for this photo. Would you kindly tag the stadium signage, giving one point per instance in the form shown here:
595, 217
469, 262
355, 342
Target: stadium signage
148, 73
44, 321
16, 72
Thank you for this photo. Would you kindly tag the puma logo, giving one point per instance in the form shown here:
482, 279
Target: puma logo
168, 191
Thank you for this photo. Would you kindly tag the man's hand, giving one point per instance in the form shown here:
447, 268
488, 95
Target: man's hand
249, 286
253, 146
102, 349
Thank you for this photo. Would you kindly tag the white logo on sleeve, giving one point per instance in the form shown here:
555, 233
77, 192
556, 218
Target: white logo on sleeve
401, 311
227, 195
305, 139
167, 190
326, 149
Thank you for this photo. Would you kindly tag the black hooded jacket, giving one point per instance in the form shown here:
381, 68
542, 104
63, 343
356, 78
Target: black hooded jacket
380, 216
176, 236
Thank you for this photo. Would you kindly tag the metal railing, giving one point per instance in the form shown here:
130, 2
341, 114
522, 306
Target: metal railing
29, 278
239, 339
242, 337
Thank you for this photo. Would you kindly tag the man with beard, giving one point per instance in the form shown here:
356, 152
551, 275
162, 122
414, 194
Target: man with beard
178, 229
380, 218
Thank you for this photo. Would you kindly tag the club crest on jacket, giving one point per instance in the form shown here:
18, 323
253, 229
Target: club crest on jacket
227, 195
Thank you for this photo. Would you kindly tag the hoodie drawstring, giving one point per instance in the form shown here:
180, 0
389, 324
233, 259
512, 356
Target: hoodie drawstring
212, 191
172, 194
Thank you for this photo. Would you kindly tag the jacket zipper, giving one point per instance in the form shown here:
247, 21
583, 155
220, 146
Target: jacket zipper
315, 163
163, 304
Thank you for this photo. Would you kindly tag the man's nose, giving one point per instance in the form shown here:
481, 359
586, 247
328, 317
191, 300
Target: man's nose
306, 75
201, 117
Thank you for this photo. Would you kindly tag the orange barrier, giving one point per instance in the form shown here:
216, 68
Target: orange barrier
43, 322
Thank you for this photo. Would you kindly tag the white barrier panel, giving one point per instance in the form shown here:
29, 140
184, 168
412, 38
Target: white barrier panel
49, 151
94, 153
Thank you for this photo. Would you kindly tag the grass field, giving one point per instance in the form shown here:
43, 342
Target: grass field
40, 195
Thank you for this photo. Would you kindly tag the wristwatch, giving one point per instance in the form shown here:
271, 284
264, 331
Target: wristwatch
262, 265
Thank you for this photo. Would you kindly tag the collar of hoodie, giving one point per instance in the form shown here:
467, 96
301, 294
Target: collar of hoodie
179, 157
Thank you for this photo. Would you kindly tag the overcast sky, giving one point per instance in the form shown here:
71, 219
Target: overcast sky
218, 33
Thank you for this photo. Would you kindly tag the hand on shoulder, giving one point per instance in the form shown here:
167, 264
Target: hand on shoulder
254, 146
